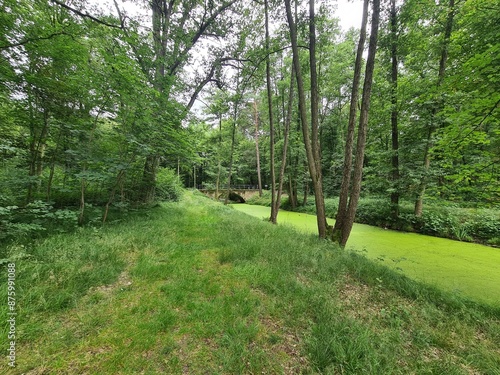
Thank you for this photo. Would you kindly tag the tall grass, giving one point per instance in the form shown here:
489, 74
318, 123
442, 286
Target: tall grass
195, 287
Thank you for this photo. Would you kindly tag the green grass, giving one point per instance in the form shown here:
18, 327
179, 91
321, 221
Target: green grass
470, 269
195, 287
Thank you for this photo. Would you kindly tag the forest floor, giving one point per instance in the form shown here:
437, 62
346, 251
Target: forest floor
198, 288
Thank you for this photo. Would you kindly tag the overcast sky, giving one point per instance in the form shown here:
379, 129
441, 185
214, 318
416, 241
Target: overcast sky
348, 11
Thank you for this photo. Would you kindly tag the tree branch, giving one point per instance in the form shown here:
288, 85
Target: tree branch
120, 15
200, 87
31, 40
86, 15
201, 31
459, 141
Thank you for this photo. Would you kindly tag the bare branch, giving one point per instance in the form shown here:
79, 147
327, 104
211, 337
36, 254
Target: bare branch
200, 87
201, 31
122, 19
86, 15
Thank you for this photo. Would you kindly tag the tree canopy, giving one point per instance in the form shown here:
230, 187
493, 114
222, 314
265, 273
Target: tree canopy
96, 103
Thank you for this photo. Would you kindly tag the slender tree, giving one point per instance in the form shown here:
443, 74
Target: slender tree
394, 111
348, 220
257, 151
286, 133
274, 211
349, 146
237, 97
436, 108
311, 143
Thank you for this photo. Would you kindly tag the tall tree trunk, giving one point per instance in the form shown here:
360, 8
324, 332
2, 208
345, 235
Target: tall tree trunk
292, 191
257, 151
194, 176
160, 18
312, 151
316, 148
306, 193
217, 182
286, 132
274, 212
148, 183
437, 106
231, 157
51, 177
53, 165
82, 201
37, 151
349, 145
394, 113
293, 171
111, 198
40, 149
83, 182
362, 128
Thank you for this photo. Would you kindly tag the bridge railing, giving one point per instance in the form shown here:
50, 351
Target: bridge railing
234, 187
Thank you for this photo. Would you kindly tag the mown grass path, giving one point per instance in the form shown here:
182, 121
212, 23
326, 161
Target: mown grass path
469, 269
195, 287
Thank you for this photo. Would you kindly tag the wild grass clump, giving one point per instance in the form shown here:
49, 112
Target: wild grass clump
197, 287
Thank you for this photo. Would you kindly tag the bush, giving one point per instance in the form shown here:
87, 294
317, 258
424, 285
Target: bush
23, 223
375, 212
265, 200
485, 228
168, 187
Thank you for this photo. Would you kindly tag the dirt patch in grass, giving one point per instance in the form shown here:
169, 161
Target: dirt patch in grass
357, 299
124, 280
286, 344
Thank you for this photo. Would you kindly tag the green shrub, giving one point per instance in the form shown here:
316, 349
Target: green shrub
264, 200
484, 227
374, 212
168, 187
23, 223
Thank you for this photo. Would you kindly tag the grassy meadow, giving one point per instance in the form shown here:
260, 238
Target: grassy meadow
195, 287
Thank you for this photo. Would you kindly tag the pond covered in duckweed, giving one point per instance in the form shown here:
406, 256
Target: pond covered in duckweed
469, 269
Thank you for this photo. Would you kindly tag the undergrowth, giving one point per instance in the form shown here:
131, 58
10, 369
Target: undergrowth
23, 222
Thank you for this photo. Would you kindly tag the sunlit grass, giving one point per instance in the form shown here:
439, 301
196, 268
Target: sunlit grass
196, 287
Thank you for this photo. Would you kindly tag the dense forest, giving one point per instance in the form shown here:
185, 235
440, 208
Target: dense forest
113, 107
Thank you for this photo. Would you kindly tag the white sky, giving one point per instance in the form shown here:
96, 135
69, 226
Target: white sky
348, 11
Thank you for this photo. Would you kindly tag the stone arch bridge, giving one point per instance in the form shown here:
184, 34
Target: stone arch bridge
237, 193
